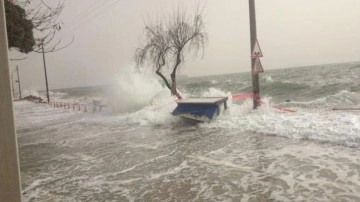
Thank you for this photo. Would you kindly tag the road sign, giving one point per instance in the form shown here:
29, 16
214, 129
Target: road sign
257, 68
256, 50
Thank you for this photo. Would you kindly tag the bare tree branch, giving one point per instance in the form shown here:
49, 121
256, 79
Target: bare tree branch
46, 22
53, 48
46, 5
167, 43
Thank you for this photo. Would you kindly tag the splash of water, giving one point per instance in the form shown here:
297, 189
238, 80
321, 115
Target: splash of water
134, 90
29, 92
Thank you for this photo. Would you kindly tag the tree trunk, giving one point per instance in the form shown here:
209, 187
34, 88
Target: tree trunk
173, 75
173, 86
164, 79
161, 63
168, 85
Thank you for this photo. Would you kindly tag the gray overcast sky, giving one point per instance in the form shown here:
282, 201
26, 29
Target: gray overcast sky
291, 33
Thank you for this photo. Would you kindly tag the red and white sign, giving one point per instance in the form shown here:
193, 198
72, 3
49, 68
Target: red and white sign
256, 50
257, 68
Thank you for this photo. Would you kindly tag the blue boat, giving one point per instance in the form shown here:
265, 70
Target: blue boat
203, 109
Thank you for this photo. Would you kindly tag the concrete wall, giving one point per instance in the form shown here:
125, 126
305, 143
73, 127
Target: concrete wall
10, 187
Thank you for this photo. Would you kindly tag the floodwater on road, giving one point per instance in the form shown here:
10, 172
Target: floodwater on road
72, 156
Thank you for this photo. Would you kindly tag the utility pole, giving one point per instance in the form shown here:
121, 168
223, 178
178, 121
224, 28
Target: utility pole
12, 85
10, 186
18, 81
253, 38
46, 80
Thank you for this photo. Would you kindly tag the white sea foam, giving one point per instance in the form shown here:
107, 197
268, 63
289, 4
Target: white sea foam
148, 153
158, 112
342, 99
28, 92
268, 79
337, 127
135, 90
58, 95
320, 125
98, 156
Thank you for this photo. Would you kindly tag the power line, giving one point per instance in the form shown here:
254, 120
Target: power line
95, 12
85, 13
91, 13
88, 10
105, 8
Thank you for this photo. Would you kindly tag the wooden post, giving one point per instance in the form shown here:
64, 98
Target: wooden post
10, 186
12, 85
18, 80
46, 79
255, 77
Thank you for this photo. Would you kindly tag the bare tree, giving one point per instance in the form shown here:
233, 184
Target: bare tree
33, 24
32, 27
46, 24
168, 42
156, 49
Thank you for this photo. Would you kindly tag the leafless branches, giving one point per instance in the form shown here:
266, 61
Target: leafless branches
44, 15
167, 43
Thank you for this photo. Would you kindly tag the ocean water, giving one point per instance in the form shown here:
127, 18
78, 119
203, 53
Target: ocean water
135, 150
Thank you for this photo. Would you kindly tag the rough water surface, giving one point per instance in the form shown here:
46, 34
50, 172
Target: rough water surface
146, 154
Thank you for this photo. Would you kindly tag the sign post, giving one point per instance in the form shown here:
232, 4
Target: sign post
256, 53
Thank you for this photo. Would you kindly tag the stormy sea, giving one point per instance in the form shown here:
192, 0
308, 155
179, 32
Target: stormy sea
135, 150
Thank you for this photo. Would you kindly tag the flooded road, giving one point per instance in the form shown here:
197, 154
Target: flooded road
71, 156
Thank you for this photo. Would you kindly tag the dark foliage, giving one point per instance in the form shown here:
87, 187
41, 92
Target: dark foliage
19, 29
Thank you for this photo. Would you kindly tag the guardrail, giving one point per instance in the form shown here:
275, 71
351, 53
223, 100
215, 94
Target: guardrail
76, 106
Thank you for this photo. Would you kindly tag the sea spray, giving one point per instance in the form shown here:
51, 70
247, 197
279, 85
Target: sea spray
160, 109
28, 92
134, 90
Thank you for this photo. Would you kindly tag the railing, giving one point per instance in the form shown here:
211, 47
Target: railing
76, 106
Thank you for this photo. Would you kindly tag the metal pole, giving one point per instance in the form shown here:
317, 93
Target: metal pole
17, 70
46, 80
255, 77
10, 186
12, 85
